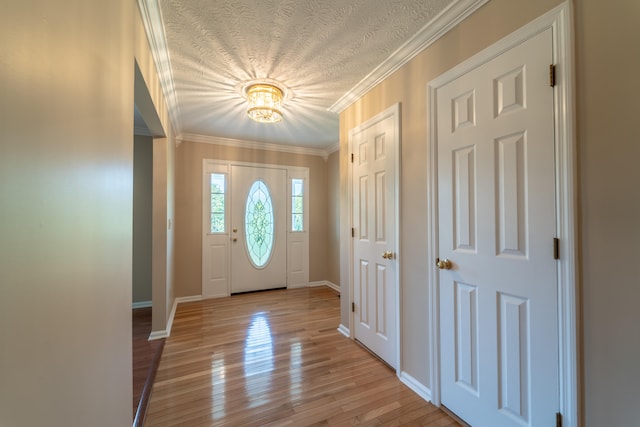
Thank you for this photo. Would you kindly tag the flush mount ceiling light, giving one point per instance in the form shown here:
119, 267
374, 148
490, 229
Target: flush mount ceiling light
265, 102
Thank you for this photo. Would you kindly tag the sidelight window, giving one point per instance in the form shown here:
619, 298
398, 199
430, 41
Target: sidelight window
218, 201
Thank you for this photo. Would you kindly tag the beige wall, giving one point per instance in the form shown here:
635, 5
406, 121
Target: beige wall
189, 157
333, 226
142, 210
608, 89
609, 200
66, 185
66, 157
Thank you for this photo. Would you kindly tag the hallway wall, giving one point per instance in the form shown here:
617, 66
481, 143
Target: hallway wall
66, 158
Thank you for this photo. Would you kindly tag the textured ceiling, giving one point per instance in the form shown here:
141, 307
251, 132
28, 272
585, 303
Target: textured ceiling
318, 49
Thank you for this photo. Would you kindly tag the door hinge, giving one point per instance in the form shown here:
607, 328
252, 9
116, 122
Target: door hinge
353, 232
552, 75
558, 419
556, 248
352, 157
353, 307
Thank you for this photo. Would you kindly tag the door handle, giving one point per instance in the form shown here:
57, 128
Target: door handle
387, 255
444, 264
235, 239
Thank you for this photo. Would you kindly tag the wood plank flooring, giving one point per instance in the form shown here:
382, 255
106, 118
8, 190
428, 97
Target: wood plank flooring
275, 358
146, 355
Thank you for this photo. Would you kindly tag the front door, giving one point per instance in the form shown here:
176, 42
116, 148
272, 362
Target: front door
497, 223
258, 228
374, 228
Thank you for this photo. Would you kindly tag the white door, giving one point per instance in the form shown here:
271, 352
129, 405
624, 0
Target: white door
374, 244
496, 192
258, 228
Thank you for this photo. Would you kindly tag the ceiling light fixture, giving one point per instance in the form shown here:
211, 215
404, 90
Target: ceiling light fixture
265, 102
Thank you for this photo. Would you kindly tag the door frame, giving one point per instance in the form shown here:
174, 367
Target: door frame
300, 172
392, 111
559, 20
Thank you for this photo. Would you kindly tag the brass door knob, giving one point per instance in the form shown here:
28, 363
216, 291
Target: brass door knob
444, 264
387, 255
235, 239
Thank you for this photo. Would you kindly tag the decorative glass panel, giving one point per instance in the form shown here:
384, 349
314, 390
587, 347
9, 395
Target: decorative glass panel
297, 205
259, 225
217, 202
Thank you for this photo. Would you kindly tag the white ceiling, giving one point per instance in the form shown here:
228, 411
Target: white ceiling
326, 53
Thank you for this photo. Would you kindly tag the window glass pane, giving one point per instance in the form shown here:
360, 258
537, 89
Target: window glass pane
297, 222
296, 187
297, 205
217, 202
259, 223
217, 222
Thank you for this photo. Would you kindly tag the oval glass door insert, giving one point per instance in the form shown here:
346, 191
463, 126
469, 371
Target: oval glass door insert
258, 224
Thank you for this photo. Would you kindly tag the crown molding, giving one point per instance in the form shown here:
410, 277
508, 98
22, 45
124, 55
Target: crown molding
154, 28
205, 139
432, 31
333, 148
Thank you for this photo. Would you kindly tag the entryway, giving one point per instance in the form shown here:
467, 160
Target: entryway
255, 227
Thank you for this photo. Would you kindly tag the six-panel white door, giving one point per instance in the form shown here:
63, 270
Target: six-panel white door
374, 198
496, 192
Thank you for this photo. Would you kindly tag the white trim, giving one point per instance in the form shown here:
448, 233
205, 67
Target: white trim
299, 286
141, 304
238, 143
392, 111
332, 148
192, 298
325, 283
167, 332
344, 330
154, 28
426, 36
560, 20
415, 385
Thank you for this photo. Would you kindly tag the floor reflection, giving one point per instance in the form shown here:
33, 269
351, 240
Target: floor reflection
295, 371
218, 385
258, 360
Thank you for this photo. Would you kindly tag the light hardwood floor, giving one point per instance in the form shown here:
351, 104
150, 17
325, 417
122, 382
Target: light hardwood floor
276, 358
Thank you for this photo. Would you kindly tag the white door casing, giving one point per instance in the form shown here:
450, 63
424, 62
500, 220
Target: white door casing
374, 183
218, 250
514, 232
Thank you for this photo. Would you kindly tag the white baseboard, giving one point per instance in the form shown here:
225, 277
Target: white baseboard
141, 304
167, 332
299, 286
344, 331
190, 299
325, 283
156, 335
415, 385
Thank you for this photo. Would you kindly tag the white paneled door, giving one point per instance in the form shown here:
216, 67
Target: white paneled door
258, 228
374, 236
497, 223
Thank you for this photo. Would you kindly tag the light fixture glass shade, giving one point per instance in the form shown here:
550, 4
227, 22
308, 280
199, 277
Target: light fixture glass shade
265, 103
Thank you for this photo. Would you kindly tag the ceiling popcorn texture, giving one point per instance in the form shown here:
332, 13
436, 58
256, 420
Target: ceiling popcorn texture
318, 50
